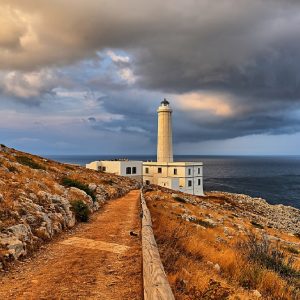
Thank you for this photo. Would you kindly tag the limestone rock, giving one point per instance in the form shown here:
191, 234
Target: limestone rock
92, 187
217, 268
211, 222
257, 294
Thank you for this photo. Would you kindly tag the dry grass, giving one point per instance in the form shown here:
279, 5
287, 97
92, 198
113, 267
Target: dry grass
190, 253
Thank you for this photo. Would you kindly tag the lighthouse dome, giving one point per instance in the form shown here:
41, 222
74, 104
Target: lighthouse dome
165, 102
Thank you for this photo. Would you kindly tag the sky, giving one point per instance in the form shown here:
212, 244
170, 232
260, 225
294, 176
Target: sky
86, 77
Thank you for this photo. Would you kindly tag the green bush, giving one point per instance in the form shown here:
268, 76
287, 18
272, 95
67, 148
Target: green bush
27, 161
69, 182
81, 210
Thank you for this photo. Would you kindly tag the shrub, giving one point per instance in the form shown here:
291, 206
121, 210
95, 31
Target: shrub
69, 182
81, 210
297, 234
293, 250
261, 251
179, 199
12, 169
257, 225
27, 161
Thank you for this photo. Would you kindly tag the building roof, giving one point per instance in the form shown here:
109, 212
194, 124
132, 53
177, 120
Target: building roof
174, 164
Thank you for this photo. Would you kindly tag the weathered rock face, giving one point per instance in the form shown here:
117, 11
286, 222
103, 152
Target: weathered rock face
35, 205
260, 211
16, 240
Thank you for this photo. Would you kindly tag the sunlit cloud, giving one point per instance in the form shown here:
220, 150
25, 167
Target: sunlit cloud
216, 104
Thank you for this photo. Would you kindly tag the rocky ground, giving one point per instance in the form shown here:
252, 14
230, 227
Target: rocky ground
38, 199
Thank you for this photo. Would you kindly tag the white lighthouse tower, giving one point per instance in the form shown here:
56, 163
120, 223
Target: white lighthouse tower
186, 177
164, 133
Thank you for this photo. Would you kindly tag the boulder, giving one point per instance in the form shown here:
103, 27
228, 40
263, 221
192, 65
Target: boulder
15, 247
217, 268
257, 294
21, 232
92, 187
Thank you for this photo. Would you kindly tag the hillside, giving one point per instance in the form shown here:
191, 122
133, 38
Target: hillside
40, 198
220, 246
226, 246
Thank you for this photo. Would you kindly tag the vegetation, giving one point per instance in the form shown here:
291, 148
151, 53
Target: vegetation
257, 225
69, 182
210, 263
12, 169
27, 161
293, 250
261, 251
179, 199
81, 210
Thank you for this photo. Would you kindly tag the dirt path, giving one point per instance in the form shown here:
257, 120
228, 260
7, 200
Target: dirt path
99, 260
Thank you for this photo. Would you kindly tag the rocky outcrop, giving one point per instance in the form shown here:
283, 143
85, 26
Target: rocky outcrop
260, 211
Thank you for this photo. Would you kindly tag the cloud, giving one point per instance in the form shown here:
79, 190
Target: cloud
118, 58
30, 85
215, 104
230, 68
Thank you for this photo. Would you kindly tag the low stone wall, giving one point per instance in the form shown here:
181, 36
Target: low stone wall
156, 285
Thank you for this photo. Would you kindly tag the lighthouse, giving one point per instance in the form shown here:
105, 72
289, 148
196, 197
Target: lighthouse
164, 133
182, 176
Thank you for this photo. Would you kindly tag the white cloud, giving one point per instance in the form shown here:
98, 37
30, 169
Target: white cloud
117, 58
31, 84
127, 75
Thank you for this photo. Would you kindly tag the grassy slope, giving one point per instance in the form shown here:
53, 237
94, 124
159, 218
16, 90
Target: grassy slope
213, 255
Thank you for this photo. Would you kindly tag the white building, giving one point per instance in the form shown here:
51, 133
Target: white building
186, 177
129, 168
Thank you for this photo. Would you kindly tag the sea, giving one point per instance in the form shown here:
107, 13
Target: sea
273, 178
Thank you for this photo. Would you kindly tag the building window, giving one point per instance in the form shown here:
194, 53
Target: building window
159, 170
147, 170
103, 169
199, 171
147, 182
189, 171
175, 171
128, 170
189, 182
199, 181
133, 170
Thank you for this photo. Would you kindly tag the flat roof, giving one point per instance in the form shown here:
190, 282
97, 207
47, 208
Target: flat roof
122, 161
175, 163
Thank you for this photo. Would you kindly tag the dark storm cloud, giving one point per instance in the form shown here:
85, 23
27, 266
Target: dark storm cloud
249, 50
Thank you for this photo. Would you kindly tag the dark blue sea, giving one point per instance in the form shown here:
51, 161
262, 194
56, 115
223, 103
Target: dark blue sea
276, 179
